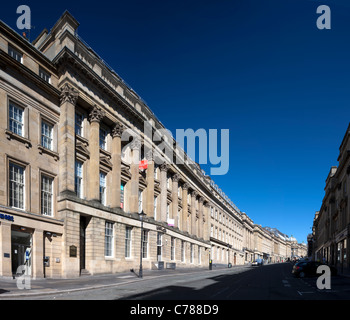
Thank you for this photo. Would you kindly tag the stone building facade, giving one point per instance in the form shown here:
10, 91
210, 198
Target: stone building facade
330, 236
85, 190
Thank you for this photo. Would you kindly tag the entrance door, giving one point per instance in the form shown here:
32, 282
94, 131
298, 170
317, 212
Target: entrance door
82, 242
21, 247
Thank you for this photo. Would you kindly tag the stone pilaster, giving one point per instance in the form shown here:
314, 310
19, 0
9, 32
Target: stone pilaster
175, 198
206, 224
163, 194
150, 185
193, 213
134, 168
66, 138
96, 116
184, 207
200, 217
116, 162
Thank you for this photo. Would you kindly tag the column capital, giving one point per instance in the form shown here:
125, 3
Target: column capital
150, 155
176, 177
97, 114
185, 186
164, 166
194, 193
136, 144
201, 199
68, 94
117, 130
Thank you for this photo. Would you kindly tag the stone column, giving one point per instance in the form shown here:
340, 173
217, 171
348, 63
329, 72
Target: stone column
66, 139
175, 198
206, 220
116, 161
96, 116
150, 185
184, 207
163, 194
200, 217
193, 213
134, 168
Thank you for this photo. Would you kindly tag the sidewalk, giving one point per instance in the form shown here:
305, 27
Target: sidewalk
9, 288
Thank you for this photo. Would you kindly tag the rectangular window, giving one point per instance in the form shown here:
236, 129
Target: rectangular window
79, 124
109, 239
199, 255
191, 253
122, 195
167, 212
79, 178
127, 242
140, 201
44, 75
144, 243
155, 208
16, 185
46, 195
103, 188
46, 135
15, 54
103, 139
16, 119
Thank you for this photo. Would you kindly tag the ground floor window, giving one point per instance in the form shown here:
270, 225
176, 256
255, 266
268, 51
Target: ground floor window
127, 242
109, 239
144, 243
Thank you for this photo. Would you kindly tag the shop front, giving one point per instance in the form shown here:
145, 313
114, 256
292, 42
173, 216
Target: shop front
26, 241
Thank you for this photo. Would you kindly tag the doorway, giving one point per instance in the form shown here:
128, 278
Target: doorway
21, 248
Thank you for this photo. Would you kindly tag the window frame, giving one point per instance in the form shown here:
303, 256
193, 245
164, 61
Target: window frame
103, 189
12, 103
49, 137
47, 192
109, 239
128, 242
43, 74
22, 185
13, 52
81, 179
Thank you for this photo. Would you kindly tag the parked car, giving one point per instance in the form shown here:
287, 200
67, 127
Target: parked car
309, 269
257, 262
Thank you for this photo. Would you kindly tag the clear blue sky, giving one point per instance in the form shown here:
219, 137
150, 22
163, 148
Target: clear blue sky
260, 68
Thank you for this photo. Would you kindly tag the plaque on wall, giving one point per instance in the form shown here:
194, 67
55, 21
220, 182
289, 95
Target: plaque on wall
73, 251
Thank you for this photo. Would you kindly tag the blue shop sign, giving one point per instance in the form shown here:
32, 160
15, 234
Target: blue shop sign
6, 217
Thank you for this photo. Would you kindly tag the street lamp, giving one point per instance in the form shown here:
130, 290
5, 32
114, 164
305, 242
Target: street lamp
141, 215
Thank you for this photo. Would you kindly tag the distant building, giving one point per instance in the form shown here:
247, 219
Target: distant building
330, 236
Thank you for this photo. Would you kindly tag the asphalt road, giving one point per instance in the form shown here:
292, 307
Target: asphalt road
268, 282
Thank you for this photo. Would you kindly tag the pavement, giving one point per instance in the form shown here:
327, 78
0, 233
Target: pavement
18, 287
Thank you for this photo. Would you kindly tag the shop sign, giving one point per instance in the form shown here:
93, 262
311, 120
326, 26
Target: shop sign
6, 217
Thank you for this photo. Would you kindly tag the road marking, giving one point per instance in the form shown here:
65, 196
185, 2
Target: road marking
301, 293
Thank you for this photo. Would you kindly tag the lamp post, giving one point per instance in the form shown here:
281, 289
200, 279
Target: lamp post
141, 215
